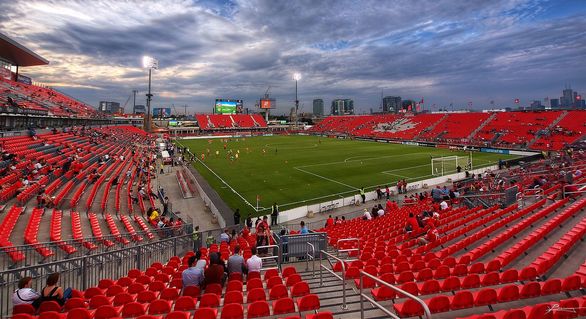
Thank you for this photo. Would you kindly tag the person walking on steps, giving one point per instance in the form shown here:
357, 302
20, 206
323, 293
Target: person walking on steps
274, 214
237, 216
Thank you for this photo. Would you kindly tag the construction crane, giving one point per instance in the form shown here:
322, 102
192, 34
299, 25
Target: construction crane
133, 93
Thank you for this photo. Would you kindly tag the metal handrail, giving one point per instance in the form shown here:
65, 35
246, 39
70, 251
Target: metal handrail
350, 249
276, 257
321, 266
312, 256
378, 305
579, 186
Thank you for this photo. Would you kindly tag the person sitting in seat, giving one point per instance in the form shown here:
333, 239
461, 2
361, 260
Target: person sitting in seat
193, 276
25, 294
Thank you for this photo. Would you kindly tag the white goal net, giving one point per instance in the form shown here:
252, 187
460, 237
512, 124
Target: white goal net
449, 164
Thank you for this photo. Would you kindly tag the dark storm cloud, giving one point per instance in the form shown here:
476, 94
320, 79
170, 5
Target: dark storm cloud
163, 38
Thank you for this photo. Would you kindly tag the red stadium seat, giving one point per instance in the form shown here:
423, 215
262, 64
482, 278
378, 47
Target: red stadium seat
283, 305
258, 309
232, 311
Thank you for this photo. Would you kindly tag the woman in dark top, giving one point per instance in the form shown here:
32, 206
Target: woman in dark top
52, 292
214, 274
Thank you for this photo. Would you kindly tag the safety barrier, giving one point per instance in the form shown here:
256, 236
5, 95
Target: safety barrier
381, 307
295, 246
86, 271
348, 250
322, 267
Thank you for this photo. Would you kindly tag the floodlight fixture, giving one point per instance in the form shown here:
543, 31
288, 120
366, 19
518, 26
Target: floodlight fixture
150, 62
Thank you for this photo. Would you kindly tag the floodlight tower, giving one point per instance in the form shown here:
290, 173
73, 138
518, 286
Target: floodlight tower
149, 63
296, 77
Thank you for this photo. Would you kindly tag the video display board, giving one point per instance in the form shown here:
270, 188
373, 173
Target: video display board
227, 106
267, 104
161, 112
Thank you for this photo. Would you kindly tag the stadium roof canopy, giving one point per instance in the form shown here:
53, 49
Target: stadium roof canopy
17, 54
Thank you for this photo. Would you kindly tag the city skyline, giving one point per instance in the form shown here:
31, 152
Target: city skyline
448, 52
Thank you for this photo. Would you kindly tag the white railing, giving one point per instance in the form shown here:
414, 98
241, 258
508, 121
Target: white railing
347, 251
321, 266
381, 307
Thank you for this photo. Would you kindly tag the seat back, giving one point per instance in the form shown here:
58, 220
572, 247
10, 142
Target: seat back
184, 303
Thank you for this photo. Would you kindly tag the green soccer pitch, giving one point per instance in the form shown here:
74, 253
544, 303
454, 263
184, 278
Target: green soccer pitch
298, 170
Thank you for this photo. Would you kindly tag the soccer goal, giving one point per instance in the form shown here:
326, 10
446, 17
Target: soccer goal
449, 164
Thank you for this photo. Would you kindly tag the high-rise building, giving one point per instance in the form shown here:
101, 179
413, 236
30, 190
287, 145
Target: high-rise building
139, 109
342, 107
109, 107
392, 104
536, 104
318, 107
567, 100
554, 103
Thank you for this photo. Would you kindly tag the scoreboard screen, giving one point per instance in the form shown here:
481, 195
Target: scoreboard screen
267, 104
228, 106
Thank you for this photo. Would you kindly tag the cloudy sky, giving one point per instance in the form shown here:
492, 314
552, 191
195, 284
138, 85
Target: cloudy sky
446, 51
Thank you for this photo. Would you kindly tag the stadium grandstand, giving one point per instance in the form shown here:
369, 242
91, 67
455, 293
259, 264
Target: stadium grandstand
81, 194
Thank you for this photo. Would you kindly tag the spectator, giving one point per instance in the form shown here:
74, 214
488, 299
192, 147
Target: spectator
436, 194
215, 272
24, 294
249, 222
154, 217
380, 211
201, 263
430, 237
166, 206
330, 221
262, 239
193, 276
225, 236
52, 292
337, 221
254, 263
236, 262
245, 232
274, 214
366, 215
444, 205
237, 216
412, 225
304, 229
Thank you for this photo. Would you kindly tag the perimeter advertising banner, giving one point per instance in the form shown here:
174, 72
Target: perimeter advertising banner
24, 79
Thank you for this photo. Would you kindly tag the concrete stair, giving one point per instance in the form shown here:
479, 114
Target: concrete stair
490, 118
549, 127
431, 127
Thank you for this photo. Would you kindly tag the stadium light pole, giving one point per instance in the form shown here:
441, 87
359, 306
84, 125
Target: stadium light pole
149, 63
296, 77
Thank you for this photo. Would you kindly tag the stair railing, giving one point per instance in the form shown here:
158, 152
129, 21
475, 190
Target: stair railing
349, 249
331, 271
381, 307
311, 256
274, 256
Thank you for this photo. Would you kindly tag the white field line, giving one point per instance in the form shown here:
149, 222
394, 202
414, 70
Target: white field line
225, 183
402, 176
327, 179
361, 160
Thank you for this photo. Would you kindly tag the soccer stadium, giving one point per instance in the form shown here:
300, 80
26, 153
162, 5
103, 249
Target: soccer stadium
233, 213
